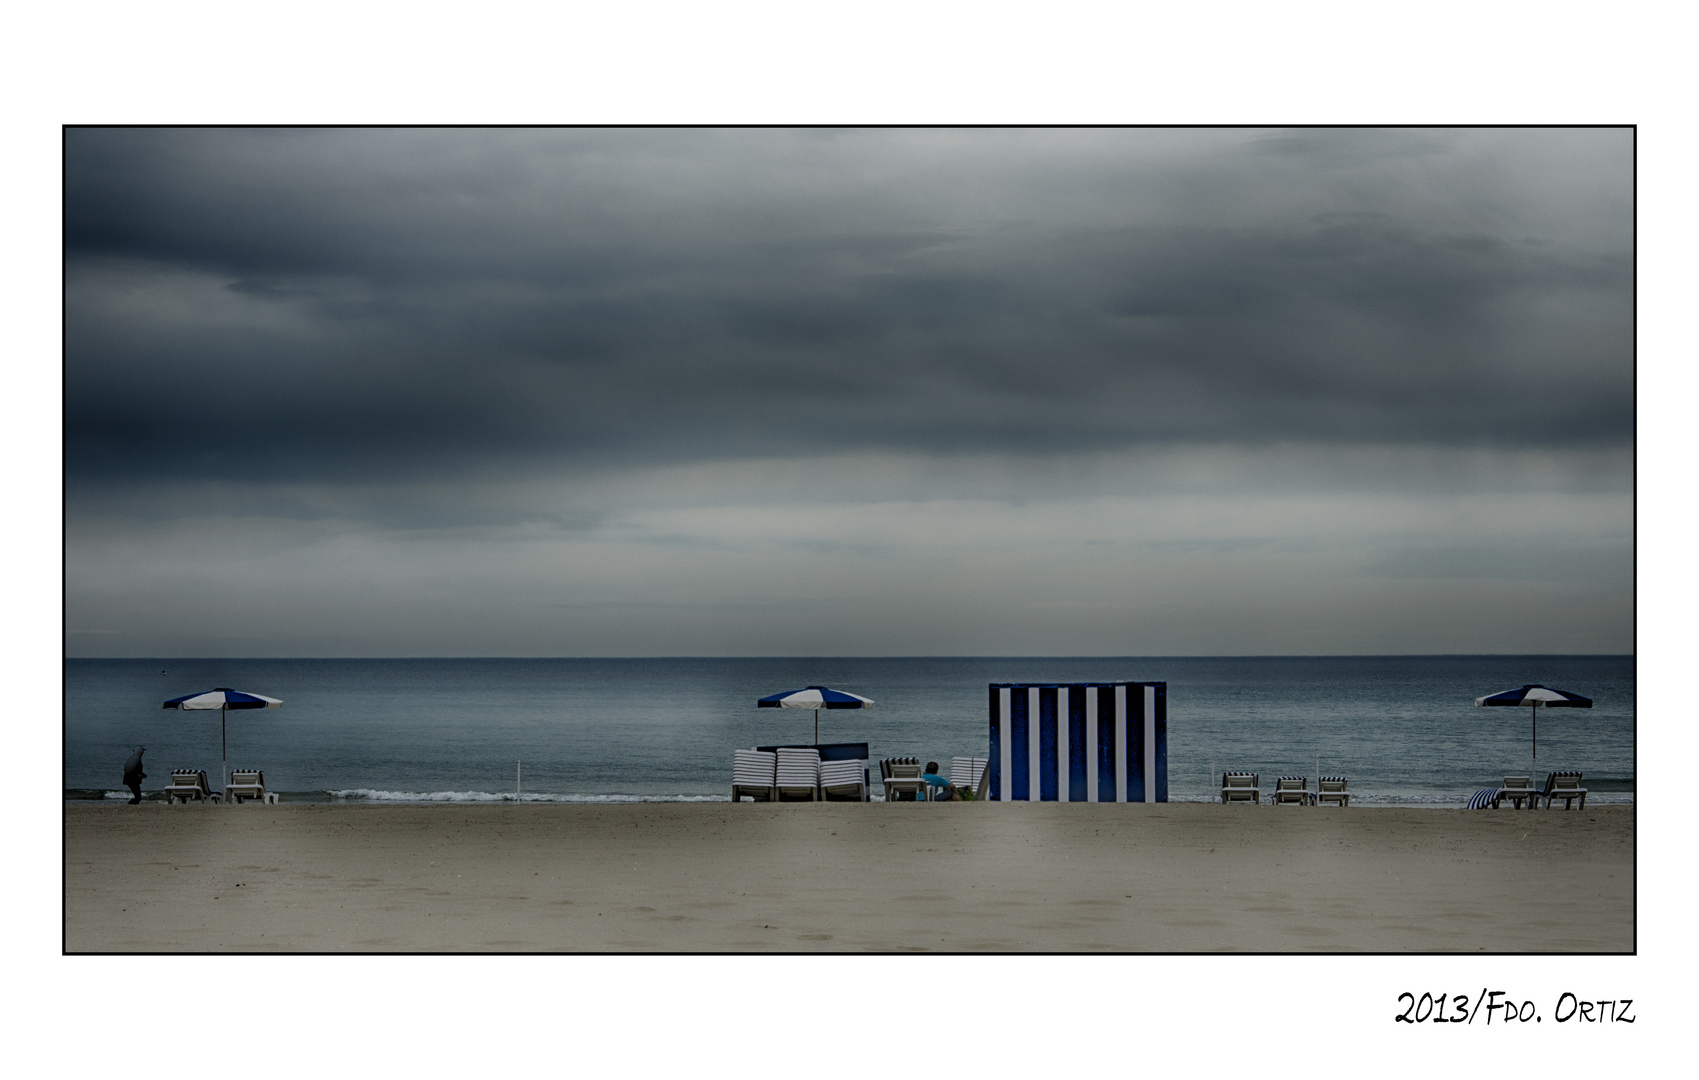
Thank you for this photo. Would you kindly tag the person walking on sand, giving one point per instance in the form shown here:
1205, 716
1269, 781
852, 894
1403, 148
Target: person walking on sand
133, 775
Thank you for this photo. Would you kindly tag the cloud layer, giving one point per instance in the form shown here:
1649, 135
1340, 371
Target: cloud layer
620, 357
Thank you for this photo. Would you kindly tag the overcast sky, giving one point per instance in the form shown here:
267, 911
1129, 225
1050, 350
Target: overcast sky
862, 392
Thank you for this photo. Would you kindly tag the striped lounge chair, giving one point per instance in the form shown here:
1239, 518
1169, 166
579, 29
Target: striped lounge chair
189, 785
901, 777
967, 773
246, 784
1291, 791
1331, 789
798, 773
1565, 786
844, 780
1240, 787
753, 774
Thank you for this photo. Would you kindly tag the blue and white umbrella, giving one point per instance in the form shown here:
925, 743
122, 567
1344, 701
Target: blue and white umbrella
1534, 696
816, 698
223, 699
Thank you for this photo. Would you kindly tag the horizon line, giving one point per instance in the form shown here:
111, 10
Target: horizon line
909, 656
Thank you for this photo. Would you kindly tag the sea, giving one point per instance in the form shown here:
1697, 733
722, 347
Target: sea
1403, 729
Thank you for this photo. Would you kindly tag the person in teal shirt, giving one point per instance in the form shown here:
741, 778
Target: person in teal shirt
941, 788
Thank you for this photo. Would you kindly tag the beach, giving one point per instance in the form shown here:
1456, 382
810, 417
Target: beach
846, 877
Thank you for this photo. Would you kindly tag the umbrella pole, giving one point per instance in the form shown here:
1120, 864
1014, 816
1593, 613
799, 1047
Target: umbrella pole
816, 727
223, 754
1534, 719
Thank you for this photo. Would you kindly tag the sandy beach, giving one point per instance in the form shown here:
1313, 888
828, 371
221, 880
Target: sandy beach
664, 877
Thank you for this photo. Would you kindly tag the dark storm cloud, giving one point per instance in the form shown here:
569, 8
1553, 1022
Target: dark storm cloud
335, 306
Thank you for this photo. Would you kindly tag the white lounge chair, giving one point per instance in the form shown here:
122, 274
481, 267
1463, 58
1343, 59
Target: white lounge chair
901, 776
1331, 789
1517, 788
797, 772
1291, 791
189, 785
248, 784
966, 773
844, 780
1240, 787
753, 774
1565, 786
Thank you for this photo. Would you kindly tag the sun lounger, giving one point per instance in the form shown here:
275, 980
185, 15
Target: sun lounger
1517, 788
1332, 789
1240, 787
1291, 791
189, 785
843, 780
1565, 786
248, 784
966, 773
901, 777
753, 773
797, 774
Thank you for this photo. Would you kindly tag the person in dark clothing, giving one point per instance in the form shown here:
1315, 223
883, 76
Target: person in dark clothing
133, 775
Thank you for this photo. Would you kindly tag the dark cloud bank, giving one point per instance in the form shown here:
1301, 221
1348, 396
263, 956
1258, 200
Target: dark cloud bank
404, 316
351, 303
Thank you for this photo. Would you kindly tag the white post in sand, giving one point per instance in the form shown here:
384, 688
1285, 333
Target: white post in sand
518, 772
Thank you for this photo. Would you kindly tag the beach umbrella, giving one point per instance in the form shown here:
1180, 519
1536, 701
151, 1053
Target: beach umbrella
816, 698
1534, 696
223, 699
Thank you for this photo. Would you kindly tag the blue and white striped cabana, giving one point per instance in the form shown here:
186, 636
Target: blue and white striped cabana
1079, 742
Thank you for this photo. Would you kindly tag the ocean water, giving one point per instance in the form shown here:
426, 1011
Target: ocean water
1404, 729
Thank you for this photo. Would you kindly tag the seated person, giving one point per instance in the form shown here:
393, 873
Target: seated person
941, 788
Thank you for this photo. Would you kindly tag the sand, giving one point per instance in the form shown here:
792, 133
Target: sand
846, 877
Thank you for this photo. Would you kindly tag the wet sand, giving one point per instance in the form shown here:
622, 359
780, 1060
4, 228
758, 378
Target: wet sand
757, 878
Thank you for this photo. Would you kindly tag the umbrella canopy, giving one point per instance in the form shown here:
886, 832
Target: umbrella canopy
816, 698
1534, 696
223, 699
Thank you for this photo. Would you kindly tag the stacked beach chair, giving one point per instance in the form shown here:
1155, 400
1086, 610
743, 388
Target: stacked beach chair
965, 772
798, 773
754, 774
844, 780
